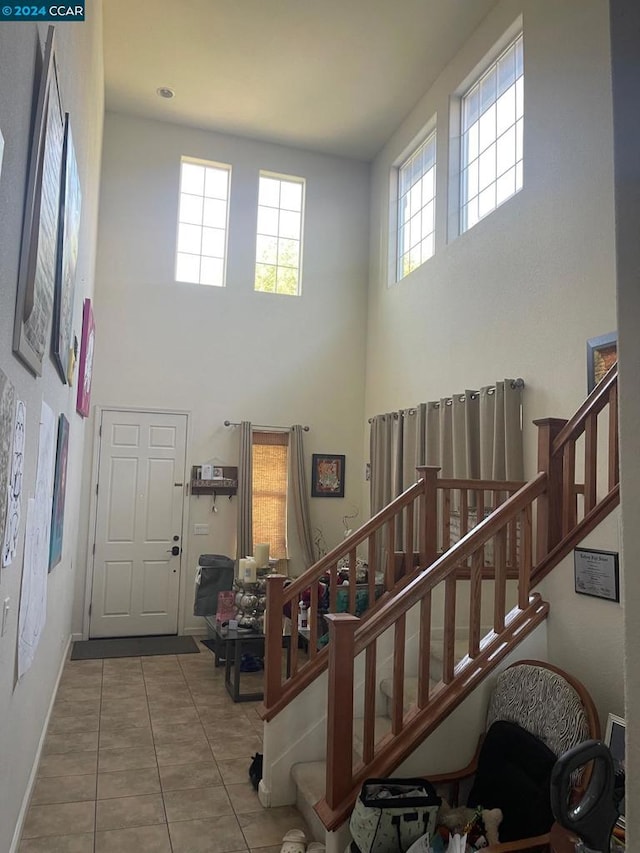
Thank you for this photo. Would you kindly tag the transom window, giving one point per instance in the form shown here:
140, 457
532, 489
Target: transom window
202, 222
269, 501
279, 237
491, 154
416, 207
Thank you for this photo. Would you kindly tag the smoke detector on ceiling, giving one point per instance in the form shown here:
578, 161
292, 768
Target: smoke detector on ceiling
166, 92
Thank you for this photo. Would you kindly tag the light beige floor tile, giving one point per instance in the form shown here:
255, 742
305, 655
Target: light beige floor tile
125, 720
63, 708
74, 723
167, 702
169, 716
124, 690
243, 798
229, 727
79, 694
168, 677
128, 783
113, 707
235, 747
178, 733
80, 681
68, 764
84, 666
179, 777
58, 844
58, 818
64, 789
212, 714
115, 665
59, 744
135, 738
126, 759
127, 676
234, 770
183, 753
129, 811
217, 835
196, 803
139, 839
268, 826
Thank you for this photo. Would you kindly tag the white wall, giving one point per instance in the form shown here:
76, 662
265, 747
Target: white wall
518, 294
232, 353
24, 705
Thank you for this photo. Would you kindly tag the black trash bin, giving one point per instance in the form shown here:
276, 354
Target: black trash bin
215, 574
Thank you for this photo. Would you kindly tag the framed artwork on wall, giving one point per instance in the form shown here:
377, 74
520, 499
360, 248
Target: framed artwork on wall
602, 354
59, 491
327, 475
69, 228
38, 249
85, 369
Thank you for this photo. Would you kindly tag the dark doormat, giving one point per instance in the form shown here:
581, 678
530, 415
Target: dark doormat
133, 647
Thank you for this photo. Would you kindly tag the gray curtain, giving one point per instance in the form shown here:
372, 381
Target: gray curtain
245, 492
470, 436
300, 493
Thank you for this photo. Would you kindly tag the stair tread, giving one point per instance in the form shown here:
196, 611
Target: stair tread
310, 777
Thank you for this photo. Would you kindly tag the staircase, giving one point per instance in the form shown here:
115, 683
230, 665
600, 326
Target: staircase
459, 562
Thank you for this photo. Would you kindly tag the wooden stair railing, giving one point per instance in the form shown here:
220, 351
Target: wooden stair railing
350, 638
397, 543
564, 510
571, 510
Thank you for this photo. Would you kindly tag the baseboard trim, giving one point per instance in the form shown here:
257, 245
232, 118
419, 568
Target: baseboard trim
77, 637
36, 761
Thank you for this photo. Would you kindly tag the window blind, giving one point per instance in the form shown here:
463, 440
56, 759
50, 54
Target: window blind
270, 451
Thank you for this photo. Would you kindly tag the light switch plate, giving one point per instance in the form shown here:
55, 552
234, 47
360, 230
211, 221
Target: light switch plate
200, 529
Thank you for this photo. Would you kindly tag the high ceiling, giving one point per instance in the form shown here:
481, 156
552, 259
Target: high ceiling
330, 75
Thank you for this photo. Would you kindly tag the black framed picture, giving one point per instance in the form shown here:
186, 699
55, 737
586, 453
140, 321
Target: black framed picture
327, 475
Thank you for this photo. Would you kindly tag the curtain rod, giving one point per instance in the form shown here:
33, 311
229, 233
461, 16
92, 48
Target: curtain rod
515, 383
263, 426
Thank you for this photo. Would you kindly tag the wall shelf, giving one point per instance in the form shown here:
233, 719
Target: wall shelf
225, 485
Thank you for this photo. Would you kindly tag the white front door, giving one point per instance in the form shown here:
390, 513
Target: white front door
136, 577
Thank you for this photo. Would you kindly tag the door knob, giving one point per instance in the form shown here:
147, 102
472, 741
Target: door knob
175, 550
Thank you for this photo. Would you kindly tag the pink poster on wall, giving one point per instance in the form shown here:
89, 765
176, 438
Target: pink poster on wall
85, 370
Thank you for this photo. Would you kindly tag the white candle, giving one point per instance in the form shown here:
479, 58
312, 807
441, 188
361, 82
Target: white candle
242, 564
261, 554
249, 570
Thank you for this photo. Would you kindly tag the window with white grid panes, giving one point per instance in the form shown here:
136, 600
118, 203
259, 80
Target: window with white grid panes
279, 234
491, 138
202, 222
416, 207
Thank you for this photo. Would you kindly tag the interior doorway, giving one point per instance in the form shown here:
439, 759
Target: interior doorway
138, 531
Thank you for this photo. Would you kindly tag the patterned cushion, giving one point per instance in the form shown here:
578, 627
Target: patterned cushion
543, 703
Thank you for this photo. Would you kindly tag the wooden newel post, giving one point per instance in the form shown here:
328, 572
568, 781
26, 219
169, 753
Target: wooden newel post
429, 514
273, 639
549, 513
342, 627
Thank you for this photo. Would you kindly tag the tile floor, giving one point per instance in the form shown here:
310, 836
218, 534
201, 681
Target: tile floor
150, 755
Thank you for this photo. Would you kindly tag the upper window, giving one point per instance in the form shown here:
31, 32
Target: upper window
279, 239
491, 135
416, 207
269, 501
202, 222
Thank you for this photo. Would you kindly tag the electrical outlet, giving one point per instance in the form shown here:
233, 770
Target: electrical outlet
5, 615
200, 529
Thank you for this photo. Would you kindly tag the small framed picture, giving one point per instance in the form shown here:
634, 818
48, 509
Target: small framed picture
602, 354
327, 476
614, 739
218, 474
597, 573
